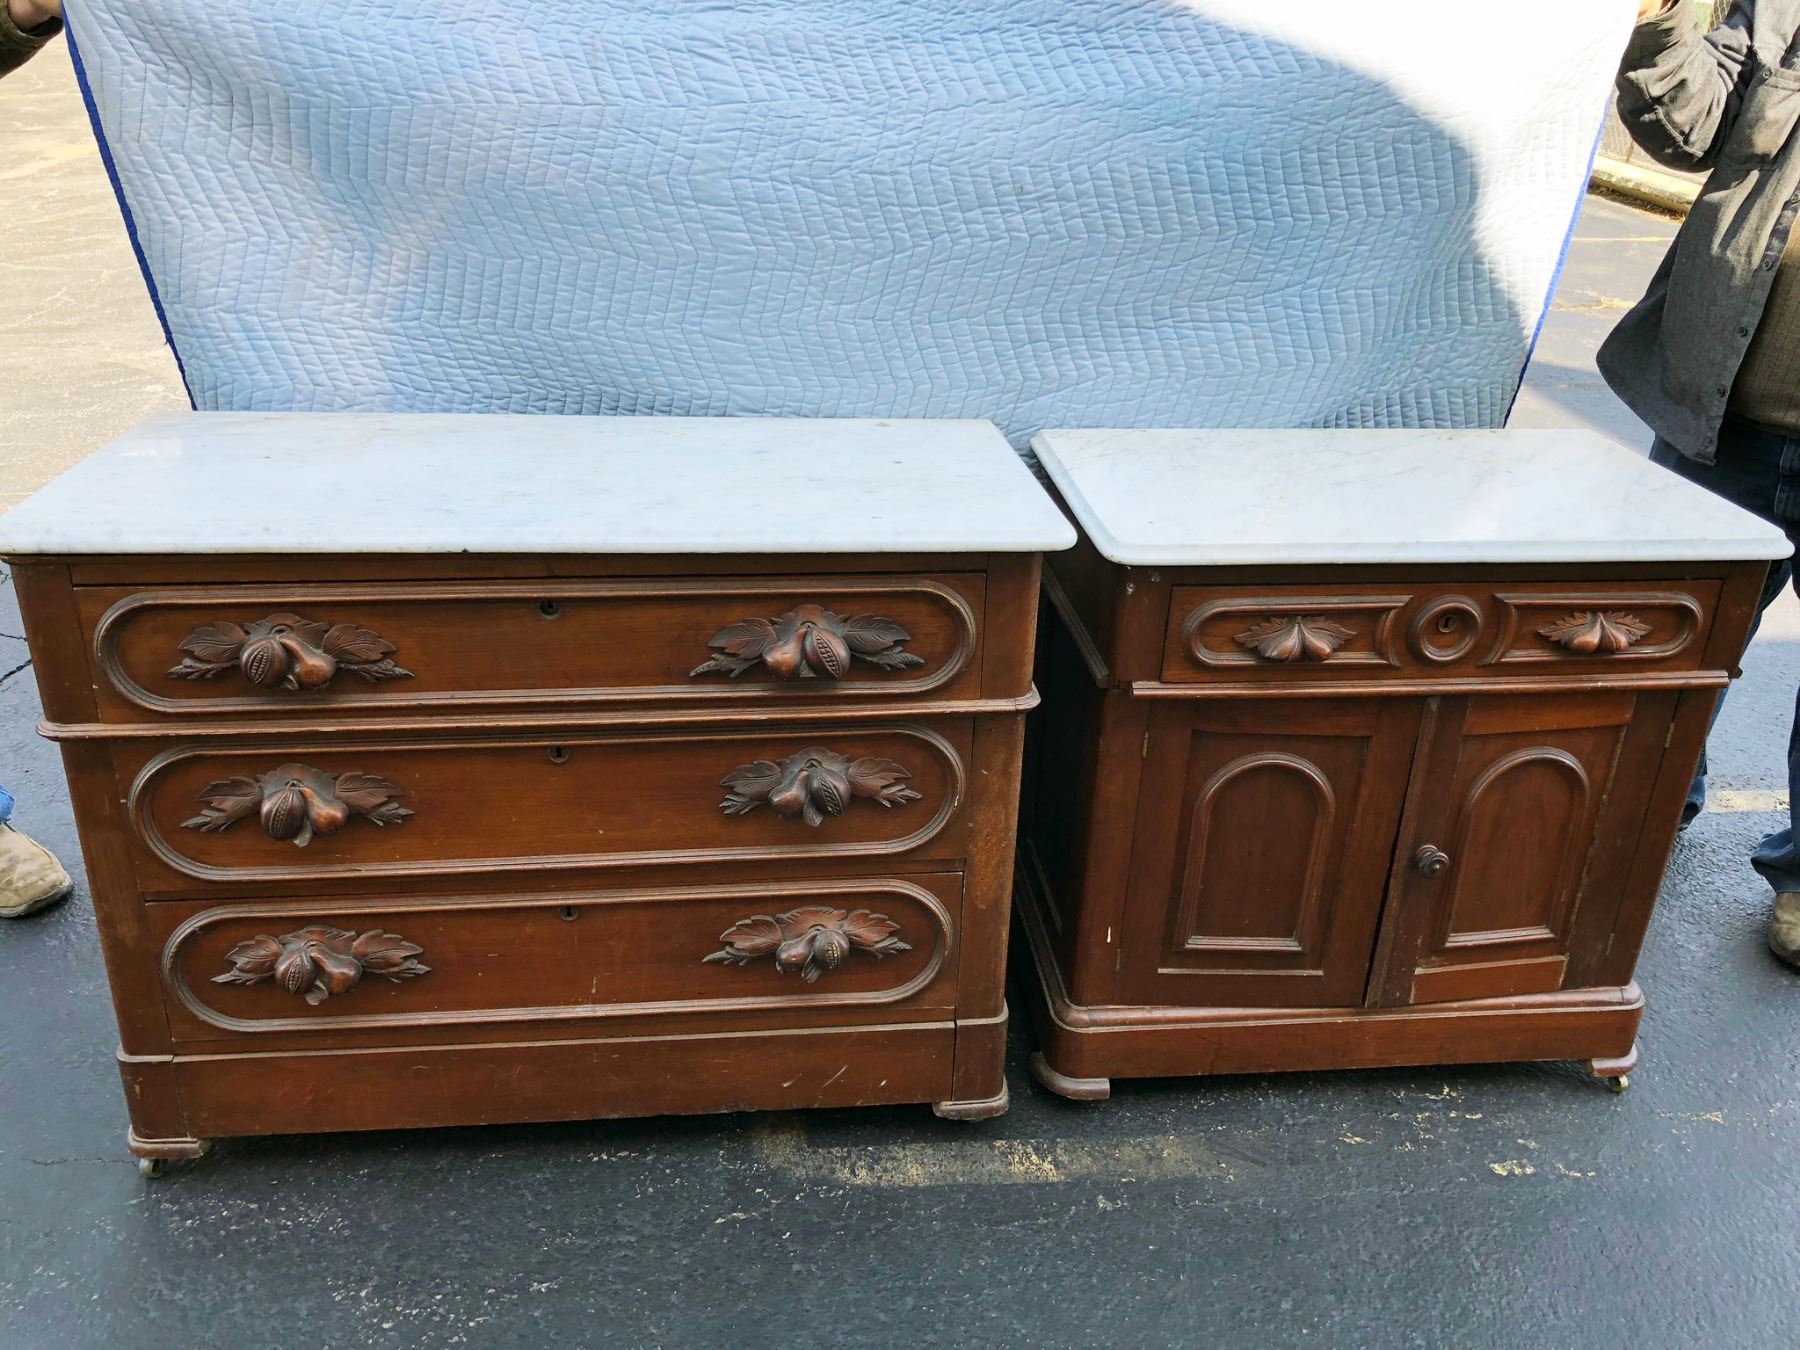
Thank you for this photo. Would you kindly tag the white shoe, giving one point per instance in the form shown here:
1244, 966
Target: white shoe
30, 877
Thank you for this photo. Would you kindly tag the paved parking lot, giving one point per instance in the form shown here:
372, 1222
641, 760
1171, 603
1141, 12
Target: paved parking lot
1514, 1205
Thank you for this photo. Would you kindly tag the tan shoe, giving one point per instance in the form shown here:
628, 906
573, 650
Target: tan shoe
30, 877
1784, 928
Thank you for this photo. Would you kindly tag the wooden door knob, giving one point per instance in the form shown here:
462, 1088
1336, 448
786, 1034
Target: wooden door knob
1431, 860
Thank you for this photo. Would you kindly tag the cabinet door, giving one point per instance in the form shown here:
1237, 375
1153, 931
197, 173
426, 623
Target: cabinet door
1264, 836
1525, 809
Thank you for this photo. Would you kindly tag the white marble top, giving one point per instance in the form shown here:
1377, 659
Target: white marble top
1198, 498
442, 483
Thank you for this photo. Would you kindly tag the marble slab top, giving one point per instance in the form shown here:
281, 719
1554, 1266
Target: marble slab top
1200, 498
450, 483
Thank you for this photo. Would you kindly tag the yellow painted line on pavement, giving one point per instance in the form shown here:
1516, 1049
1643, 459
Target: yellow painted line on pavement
1746, 800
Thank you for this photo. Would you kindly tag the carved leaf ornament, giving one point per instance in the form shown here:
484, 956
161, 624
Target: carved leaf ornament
285, 651
810, 940
1596, 632
809, 642
1299, 638
814, 783
296, 802
317, 962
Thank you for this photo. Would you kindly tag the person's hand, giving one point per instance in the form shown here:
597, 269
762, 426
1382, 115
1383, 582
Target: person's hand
29, 14
1650, 9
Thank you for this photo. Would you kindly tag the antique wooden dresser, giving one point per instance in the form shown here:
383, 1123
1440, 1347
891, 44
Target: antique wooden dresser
435, 770
1363, 748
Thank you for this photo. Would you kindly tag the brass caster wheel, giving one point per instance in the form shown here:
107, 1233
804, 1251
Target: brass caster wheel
152, 1168
1617, 1085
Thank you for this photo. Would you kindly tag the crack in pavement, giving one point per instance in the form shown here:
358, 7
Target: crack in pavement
14, 671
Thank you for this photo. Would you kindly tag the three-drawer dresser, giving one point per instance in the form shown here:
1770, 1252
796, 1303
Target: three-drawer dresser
1364, 747
436, 770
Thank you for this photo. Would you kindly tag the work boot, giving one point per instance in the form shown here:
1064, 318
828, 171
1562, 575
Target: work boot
31, 879
1784, 928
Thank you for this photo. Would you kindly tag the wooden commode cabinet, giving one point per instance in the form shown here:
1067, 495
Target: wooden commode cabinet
1363, 748
437, 770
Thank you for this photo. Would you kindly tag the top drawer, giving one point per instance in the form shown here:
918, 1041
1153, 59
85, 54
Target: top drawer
367, 648
1434, 631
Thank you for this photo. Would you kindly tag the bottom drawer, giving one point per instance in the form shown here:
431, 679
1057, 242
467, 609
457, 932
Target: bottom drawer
878, 949
421, 1086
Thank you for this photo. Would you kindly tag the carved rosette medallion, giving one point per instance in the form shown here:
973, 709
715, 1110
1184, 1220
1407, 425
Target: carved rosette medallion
295, 802
1596, 632
1299, 638
809, 642
1446, 629
810, 940
317, 962
814, 783
285, 651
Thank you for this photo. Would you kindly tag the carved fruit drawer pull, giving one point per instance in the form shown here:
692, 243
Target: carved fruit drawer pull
809, 940
1596, 632
809, 642
285, 651
296, 802
814, 783
319, 962
1300, 638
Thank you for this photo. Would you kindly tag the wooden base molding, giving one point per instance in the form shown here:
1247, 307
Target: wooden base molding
986, 1109
1075, 1089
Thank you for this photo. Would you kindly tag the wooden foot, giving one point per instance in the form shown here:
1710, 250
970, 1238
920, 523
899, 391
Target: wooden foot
1612, 1073
1075, 1089
155, 1155
986, 1109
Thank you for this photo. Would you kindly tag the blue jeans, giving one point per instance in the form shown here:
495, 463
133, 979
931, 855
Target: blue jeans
6, 806
1759, 470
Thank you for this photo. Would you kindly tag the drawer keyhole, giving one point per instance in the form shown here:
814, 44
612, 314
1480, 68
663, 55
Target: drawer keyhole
559, 754
549, 609
568, 913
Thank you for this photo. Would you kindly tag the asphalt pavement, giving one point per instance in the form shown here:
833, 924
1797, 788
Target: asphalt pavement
1514, 1205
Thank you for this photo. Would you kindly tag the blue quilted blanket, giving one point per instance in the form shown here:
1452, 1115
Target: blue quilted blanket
1046, 212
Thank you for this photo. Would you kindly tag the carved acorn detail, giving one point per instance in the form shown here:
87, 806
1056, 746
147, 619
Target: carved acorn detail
809, 940
814, 783
809, 642
295, 803
318, 962
285, 651
1299, 638
1596, 632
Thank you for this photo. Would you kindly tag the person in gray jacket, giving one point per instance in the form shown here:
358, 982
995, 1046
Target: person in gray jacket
1710, 357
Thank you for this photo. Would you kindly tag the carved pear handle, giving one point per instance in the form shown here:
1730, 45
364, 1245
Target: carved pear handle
809, 940
285, 651
317, 962
296, 803
814, 783
809, 642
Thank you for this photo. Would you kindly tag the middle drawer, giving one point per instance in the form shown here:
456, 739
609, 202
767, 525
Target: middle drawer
275, 811
391, 647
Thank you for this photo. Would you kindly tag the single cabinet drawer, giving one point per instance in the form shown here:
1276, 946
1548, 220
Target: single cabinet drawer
793, 949
295, 811
1430, 631
389, 648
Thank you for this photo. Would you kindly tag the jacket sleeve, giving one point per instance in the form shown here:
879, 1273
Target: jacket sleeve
17, 44
1680, 91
